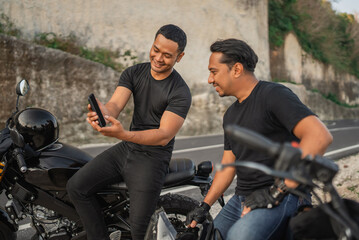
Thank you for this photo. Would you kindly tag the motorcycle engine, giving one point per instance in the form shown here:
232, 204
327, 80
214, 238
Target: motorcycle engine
51, 225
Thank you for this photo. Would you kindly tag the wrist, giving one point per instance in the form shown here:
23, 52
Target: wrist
127, 136
278, 190
205, 206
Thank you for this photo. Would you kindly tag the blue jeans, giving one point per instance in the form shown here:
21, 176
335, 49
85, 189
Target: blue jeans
260, 223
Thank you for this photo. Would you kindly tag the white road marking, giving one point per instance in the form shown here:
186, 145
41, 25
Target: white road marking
343, 129
198, 148
340, 150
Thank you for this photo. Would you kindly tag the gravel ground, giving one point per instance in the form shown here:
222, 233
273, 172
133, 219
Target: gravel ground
347, 180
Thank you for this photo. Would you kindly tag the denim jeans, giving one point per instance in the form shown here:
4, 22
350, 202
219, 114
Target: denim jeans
144, 175
260, 223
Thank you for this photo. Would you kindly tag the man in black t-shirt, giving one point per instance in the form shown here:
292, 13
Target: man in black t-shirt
161, 102
269, 109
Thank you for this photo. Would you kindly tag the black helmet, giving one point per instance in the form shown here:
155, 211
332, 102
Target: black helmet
38, 127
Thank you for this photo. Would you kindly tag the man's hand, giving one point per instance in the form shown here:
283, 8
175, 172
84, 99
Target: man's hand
92, 116
263, 198
114, 130
198, 215
260, 198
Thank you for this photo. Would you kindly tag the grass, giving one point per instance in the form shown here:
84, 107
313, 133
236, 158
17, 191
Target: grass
70, 44
330, 96
329, 37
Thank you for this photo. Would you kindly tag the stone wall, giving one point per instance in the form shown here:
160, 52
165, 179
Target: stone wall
60, 82
292, 63
131, 25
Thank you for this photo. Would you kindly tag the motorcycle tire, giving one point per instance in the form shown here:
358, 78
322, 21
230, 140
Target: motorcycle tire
177, 207
6, 233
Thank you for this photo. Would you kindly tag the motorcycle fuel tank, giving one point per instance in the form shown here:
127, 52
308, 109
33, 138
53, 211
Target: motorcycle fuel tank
56, 165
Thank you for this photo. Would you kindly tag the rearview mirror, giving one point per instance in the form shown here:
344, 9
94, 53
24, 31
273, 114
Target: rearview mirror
22, 87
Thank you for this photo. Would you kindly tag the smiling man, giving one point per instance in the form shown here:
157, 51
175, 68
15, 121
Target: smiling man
161, 102
272, 110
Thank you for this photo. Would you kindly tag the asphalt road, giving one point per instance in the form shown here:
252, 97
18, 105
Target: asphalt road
204, 148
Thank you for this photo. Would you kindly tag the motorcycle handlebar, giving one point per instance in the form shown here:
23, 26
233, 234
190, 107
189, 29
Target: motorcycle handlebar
253, 140
288, 158
19, 156
289, 164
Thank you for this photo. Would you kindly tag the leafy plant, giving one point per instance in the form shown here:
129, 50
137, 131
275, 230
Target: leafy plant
7, 27
330, 37
72, 44
332, 97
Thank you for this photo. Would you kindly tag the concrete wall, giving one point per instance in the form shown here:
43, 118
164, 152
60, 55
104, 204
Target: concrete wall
132, 24
292, 63
60, 82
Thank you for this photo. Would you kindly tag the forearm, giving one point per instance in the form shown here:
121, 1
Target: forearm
221, 182
118, 101
153, 137
169, 126
112, 109
314, 140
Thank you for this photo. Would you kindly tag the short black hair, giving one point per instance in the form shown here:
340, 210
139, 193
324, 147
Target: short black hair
174, 33
234, 51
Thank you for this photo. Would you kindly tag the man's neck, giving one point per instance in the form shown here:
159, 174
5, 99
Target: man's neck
161, 76
246, 87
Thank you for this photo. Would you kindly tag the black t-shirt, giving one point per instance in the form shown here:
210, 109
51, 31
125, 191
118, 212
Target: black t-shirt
151, 98
272, 110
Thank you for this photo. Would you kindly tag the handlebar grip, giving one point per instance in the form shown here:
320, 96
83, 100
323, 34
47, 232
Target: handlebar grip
253, 140
20, 160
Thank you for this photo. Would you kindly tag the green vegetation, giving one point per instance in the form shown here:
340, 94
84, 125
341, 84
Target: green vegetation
353, 189
281, 19
70, 44
7, 27
283, 80
330, 96
328, 36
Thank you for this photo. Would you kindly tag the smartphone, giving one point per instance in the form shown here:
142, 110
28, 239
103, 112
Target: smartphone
96, 108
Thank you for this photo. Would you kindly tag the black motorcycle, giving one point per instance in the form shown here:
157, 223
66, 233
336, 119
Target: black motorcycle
335, 218
35, 168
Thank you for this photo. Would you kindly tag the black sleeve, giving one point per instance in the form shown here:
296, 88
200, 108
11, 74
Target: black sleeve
227, 144
126, 78
180, 101
287, 107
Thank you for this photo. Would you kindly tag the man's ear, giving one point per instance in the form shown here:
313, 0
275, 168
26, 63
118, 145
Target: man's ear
179, 57
238, 69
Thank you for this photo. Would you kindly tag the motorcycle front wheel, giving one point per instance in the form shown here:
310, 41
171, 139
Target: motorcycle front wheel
6, 233
177, 207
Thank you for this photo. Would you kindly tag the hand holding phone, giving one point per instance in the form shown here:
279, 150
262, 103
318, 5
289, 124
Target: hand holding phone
96, 108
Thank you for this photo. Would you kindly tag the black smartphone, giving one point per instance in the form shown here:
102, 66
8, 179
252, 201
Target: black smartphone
96, 108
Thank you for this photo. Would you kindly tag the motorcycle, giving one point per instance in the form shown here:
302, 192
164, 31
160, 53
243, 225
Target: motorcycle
35, 167
335, 218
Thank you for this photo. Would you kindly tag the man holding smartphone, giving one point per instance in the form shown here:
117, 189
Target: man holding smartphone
161, 102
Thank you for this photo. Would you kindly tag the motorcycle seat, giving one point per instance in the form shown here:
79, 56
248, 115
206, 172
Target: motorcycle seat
179, 170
